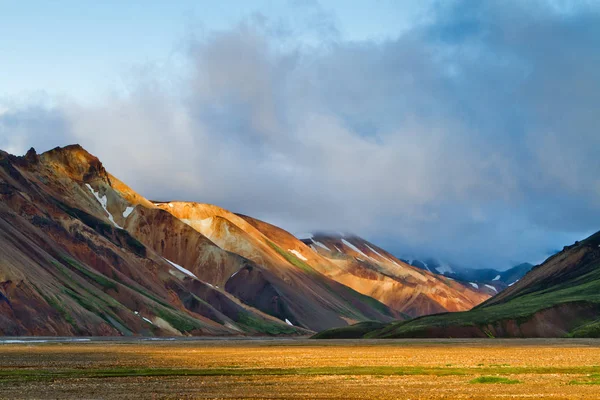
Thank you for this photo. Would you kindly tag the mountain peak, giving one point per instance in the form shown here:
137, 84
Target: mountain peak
76, 162
32, 156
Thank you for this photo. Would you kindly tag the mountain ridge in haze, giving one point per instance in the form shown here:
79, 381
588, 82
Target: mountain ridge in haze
489, 279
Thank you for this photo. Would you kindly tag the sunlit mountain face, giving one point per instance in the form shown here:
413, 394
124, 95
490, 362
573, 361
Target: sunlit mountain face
84, 254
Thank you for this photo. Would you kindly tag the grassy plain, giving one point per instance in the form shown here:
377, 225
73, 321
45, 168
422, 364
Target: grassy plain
302, 369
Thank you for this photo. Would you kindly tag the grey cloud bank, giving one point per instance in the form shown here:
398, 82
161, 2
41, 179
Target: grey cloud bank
473, 138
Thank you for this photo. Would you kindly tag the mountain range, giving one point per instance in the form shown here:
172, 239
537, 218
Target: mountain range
491, 280
559, 298
82, 253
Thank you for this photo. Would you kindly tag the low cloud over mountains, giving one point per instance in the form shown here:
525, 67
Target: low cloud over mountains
471, 133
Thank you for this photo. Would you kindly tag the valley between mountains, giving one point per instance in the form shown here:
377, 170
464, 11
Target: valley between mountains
83, 254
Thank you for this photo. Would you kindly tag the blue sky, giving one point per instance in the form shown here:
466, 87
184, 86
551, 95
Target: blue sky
458, 129
86, 48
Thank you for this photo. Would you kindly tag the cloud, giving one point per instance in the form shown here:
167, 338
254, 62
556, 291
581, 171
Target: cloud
473, 137
32, 122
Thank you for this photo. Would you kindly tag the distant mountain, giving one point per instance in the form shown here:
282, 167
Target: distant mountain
559, 298
490, 280
81, 253
375, 272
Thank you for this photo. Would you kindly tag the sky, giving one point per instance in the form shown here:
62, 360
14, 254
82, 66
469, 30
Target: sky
461, 130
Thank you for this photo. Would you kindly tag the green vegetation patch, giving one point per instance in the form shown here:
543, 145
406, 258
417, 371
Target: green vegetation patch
178, 320
21, 374
494, 379
355, 331
579, 291
292, 259
101, 280
56, 304
593, 379
134, 244
264, 326
590, 330
370, 301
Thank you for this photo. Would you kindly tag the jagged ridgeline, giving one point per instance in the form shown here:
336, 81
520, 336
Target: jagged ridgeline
81, 253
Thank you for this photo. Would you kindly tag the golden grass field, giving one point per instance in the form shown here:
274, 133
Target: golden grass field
302, 369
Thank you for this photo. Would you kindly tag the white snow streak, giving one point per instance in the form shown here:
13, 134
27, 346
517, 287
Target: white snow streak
444, 268
103, 202
375, 251
298, 254
144, 318
287, 321
476, 286
179, 267
128, 211
321, 245
493, 288
353, 247
497, 278
381, 255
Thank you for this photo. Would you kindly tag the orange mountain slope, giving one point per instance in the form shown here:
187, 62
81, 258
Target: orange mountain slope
374, 272
81, 253
66, 268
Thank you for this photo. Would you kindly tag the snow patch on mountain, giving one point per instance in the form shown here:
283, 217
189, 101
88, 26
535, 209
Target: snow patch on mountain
497, 278
491, 287
180, 268
426, 266
376, 252
321, 245
476, 286
128, 211
444, 269
103, 202
144, 318
298, 254
353, 247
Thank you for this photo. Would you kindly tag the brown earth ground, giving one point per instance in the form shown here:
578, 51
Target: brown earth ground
300, 369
